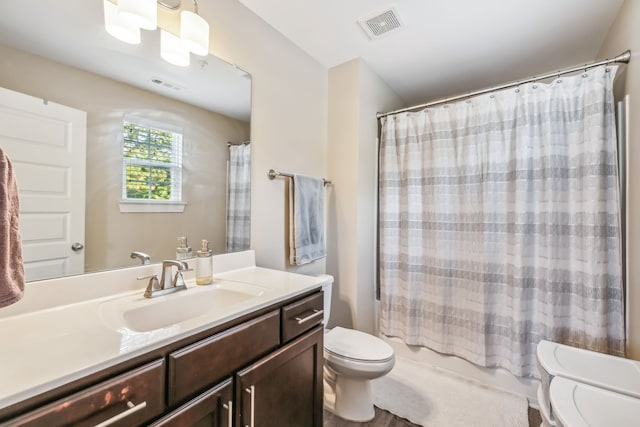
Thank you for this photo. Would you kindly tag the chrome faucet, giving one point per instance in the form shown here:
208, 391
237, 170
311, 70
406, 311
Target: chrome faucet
166, 284
165, 280
145, 258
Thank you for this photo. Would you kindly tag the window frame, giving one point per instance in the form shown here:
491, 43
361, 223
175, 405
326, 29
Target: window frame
176, 203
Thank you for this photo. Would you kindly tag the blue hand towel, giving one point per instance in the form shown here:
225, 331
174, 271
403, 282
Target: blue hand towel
306, 220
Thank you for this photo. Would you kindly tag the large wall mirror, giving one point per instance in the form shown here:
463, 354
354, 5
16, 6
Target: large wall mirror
61, 55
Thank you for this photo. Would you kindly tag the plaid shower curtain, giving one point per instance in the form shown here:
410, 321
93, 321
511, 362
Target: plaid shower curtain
500, 223
239, 198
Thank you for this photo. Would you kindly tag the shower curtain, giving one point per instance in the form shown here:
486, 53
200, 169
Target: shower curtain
499, 223
239, 198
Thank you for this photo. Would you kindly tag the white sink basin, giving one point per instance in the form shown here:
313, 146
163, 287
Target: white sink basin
140, 314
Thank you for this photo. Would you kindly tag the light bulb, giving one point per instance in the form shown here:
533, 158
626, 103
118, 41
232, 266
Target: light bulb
143, 13
119, 27
194, 32
172, 50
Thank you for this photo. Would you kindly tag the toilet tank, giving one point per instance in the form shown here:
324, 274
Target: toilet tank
327, 284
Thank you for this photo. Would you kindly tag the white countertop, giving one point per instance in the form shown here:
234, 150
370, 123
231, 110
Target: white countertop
49, 347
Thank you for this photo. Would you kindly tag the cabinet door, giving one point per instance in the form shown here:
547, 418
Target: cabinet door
284, 388
213, 408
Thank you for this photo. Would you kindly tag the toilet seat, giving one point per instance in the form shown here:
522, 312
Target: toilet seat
613, 373
581, 405
357, 346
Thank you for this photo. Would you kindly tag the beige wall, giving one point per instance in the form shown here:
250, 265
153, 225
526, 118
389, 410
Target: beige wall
288, 122
356, 94
110, 235
625, 34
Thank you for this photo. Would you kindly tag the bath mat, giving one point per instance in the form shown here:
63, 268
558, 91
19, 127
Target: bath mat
430, 397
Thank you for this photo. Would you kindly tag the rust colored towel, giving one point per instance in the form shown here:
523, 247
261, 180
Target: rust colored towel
11, 267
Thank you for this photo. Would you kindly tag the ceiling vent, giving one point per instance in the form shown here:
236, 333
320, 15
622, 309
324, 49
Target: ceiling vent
165, 84
381, 23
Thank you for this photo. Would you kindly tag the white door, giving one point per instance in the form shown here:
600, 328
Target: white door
47, 143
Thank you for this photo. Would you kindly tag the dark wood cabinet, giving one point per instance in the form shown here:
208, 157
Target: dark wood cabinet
130, 399
198, 366
284, 388
213, 408
262, 370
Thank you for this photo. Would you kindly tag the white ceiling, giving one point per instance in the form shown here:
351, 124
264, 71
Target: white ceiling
448, 46
72, 32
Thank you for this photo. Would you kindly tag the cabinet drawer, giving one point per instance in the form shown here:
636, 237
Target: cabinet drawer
129, 399
301, 316
200, 365
213, 408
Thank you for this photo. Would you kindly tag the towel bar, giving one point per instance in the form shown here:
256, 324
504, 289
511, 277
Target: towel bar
273, 174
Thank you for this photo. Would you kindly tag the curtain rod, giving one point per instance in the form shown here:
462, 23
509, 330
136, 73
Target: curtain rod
623, 58
229, 144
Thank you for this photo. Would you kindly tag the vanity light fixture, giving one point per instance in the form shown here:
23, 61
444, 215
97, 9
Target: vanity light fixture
118, 27
142, 13
194, 31
172, 50
124, 21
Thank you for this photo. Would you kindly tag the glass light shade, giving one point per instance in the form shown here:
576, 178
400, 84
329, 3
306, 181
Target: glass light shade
143, 13
194, 32
172, 50
118, 27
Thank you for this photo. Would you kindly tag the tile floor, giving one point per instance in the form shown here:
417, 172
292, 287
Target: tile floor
386, 419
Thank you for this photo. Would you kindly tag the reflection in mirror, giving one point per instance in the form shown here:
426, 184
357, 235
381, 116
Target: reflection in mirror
68, 60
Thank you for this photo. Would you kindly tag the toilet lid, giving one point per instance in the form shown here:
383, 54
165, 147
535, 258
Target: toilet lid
613, 373
356, 345
581, 405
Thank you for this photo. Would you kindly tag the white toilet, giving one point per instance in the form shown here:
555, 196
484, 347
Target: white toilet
576, 404
587, 373
352, 359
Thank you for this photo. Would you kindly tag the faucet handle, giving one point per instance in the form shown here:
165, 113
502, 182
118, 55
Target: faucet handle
178, 280
153, 285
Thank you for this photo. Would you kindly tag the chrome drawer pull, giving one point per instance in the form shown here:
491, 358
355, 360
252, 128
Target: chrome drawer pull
252, 391
229, 407
132, 409
313, 315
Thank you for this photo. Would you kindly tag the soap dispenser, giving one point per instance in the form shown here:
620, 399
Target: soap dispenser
204, 266
183, 251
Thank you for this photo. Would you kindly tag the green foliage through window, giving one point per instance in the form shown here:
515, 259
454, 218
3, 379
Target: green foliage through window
152, 162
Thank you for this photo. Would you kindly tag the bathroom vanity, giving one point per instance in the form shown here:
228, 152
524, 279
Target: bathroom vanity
255, 361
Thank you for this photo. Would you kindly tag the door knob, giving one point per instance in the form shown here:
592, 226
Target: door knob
76, 247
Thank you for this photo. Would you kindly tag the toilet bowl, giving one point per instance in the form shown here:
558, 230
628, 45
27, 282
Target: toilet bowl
604, 371
352, 359
547, 419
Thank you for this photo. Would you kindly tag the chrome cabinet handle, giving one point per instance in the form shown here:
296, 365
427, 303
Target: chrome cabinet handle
252, 391
229, 407
132, 409
315, 314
